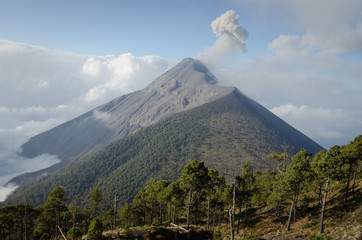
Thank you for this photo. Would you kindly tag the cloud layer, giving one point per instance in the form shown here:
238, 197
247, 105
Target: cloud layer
41, 88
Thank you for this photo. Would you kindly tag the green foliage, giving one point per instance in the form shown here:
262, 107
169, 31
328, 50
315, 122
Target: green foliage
95, 229
195, 176
298, 173
127, 230
50, 216
96, 197
74, 233
45, 236
217, 235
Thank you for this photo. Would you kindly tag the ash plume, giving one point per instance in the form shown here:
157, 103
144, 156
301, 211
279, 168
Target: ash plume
231, 37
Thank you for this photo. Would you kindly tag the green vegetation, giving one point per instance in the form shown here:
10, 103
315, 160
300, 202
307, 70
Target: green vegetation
223, 134
315, 198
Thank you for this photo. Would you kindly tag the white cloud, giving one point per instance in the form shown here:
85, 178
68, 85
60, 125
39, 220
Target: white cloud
41, 88
6, 190
116, 75
328, 125
101, 116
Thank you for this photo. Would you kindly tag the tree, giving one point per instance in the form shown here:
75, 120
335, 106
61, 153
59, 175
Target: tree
263, 186
329, 166
318, 173
245, 183
281, 159
51, 212
161, 196
95, 197
175, 196
216, 181
7, 223
74, 233
95, 229
140, 207
194, 180
296, 176
351, 154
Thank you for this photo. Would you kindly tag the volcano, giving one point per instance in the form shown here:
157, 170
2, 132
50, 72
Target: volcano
182, 115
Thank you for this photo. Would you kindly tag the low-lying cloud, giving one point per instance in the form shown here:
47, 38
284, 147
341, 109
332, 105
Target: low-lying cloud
41, 88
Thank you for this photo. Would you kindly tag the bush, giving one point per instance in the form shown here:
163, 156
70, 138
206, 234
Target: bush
45, 236
217, 235
95, 229
74, 233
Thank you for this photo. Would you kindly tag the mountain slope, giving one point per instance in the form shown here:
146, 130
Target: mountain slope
224, 133
187, 85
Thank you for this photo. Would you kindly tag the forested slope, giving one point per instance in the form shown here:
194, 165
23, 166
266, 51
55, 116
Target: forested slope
224, 134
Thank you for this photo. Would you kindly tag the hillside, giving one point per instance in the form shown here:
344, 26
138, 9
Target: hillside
224, 133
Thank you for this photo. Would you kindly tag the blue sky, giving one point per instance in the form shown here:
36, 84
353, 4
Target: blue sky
58, 59
172, 29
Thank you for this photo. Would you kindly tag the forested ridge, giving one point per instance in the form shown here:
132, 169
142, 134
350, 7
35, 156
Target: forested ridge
224, 134
304, 196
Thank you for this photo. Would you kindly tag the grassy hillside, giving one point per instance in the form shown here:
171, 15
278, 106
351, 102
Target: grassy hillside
224, 134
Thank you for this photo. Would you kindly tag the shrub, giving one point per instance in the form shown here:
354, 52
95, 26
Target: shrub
217, 235
74, 233
95, 229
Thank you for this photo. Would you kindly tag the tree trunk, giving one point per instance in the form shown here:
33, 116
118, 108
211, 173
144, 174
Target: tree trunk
169, 214
290, 215
56, 224
219, 218
174, 213
354, 181
144, 214
321, 230
347, 188
208, 213
239, 216
320, 193
214, 218
115, 206
21, 222
160, 221
232, 214
188, 210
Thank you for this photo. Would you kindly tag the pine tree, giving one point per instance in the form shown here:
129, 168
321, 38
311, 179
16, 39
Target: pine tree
194, 180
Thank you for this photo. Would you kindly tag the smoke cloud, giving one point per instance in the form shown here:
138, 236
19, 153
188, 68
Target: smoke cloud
231, 37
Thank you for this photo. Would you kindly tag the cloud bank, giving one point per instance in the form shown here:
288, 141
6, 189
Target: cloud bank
42, 88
